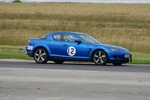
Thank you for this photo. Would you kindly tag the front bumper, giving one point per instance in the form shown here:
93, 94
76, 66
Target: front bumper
122, 58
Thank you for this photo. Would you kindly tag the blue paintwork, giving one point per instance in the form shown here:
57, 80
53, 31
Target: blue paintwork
57, 49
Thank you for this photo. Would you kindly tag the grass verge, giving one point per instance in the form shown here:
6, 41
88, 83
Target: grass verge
13, 52
140, 58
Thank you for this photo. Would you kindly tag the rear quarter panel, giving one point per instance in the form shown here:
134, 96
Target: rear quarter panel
39, 43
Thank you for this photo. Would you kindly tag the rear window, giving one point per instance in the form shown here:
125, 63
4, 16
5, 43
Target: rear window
57, 37
43, 37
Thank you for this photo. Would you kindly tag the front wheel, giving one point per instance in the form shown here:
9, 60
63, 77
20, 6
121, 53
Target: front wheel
41, 55
100, 57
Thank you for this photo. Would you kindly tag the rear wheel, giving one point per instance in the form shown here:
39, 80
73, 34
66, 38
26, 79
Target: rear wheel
40, 55
58, 61
100, 57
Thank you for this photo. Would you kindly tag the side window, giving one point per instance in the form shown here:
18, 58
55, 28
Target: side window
69, 38
57, 37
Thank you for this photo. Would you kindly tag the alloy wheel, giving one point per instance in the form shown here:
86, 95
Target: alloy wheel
40, 55
100, 57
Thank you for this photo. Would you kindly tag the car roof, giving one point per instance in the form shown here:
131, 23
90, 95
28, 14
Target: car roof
66, 32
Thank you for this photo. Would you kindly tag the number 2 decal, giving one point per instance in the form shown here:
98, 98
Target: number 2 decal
71, 51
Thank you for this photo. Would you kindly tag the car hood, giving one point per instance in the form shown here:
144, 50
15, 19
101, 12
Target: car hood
119, 48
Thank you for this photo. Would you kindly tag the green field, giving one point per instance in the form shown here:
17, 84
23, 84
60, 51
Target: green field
126, 25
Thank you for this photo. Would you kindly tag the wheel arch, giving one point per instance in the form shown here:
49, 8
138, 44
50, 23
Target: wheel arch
97, 50
101, 57
44, 47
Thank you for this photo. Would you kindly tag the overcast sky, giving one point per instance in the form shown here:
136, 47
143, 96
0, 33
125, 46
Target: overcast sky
94, 1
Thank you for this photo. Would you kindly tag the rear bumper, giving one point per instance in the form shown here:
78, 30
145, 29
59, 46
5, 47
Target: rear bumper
28, 52
23, 48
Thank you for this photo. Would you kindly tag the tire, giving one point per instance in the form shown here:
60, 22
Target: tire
40, 56
117, 64
58, 61
100, 57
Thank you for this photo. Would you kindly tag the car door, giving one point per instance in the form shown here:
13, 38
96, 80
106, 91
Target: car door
55, 45
73, 49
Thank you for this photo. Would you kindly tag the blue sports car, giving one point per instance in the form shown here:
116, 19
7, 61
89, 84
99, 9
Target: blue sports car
75, 46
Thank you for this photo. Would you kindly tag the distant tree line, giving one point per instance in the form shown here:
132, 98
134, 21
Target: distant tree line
17, 1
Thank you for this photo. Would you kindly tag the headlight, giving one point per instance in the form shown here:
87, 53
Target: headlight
114, 50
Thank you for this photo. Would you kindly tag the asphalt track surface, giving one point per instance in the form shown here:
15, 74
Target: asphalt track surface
74, 66
26, 80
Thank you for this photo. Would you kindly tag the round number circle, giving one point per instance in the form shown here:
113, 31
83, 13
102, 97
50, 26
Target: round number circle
71, 51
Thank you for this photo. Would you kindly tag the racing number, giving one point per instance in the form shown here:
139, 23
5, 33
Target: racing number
71, 51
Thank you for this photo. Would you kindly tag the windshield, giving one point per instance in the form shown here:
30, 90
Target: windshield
89, 39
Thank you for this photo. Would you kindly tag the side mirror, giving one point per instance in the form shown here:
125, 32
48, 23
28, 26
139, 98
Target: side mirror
78, 41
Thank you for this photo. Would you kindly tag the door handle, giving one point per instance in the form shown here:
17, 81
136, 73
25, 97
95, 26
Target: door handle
64, 44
